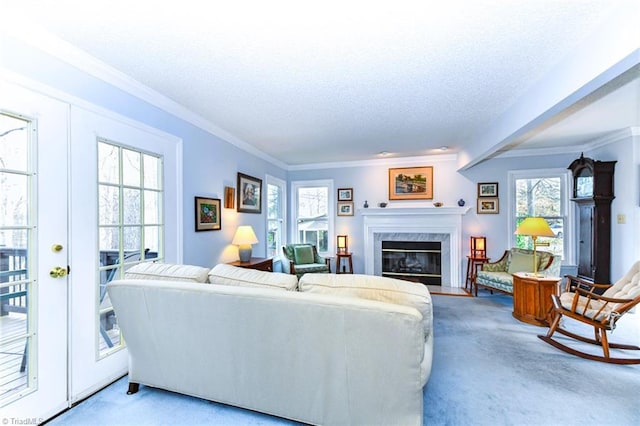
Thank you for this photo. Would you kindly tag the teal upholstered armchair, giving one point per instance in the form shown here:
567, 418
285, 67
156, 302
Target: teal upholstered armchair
304, 258
499, 275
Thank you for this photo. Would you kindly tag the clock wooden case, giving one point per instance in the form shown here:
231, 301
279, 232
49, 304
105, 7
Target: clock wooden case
593, 194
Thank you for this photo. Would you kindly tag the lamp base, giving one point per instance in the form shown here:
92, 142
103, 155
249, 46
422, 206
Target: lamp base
245, 252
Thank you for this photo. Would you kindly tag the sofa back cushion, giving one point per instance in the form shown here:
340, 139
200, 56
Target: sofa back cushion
370, 287
167, 272
520, 262
233, 275
303, 255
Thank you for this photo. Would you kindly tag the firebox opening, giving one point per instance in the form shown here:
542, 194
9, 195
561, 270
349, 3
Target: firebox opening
417, 261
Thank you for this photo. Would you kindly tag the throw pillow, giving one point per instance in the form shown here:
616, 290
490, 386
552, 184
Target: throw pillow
520, 263
303, 255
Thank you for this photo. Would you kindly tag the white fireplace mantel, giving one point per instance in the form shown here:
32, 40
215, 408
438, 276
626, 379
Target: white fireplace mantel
415, 221
413, 211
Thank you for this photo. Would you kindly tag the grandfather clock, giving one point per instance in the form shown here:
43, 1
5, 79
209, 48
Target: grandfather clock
593, 194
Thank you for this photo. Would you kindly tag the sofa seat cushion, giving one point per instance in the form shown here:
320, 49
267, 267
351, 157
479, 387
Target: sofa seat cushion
588, 308
369, 287
311, 268
499, 280
233, 275
167, 272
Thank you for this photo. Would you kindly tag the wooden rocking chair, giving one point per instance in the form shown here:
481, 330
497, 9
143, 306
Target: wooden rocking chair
583, 303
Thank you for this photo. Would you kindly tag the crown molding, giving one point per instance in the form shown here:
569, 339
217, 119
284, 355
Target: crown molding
395, 161
609, 138
41, 39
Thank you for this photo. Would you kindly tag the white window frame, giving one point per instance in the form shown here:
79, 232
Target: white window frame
566, 207
272, 180
331, 209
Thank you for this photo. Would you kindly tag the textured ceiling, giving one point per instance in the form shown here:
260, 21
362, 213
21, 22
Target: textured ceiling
323, 81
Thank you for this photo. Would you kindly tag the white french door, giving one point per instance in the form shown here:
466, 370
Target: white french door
51, 224
33, 240
139, 175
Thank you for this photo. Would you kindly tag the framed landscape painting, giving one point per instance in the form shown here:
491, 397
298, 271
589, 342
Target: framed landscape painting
208, 217
411, 183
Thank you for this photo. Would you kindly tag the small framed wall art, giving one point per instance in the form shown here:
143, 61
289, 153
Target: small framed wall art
488, 189
345, 208
229, 197
208, 217
488, 205
411, 183
249, 194
345, 194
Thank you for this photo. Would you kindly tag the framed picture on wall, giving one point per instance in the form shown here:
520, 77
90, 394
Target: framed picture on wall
488, 205
345, 194
208, 217
411, 183
345, 208
488, 189
249, 194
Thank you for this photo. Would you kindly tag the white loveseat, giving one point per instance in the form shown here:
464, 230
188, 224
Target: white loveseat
346, 349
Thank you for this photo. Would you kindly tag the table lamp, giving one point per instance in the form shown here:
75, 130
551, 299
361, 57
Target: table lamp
535, 227
342, 243
478, 246
243, 239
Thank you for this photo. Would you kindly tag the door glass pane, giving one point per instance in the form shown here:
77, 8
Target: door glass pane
109, 205
14, 146
152, 169
16, 334
131, 208
14, 200
152, 207
131, 168
108, 170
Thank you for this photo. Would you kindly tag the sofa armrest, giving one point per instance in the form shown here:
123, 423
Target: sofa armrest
498, 266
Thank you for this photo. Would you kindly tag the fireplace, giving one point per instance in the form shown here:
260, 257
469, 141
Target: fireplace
417, 261
442, 225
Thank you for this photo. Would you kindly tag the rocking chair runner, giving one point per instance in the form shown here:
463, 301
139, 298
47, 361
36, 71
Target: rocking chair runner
582, 303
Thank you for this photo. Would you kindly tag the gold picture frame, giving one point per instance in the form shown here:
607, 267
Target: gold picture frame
488, 205
411, 183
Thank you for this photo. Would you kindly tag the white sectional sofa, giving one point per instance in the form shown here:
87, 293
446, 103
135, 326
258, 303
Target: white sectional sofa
329, 349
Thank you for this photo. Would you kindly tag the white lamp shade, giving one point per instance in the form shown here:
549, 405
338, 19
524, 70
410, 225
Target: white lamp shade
244, 235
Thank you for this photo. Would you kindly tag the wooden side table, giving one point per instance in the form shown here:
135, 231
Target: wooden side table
473, 263
347, 257
259, 263
532, 297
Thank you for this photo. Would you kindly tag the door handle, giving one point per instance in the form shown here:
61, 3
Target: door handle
58, 272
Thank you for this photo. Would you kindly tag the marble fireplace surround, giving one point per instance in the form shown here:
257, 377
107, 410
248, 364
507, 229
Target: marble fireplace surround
442, 224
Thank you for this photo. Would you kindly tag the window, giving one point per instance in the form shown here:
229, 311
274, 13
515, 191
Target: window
541, 193
276, 218
130, 222
313, 212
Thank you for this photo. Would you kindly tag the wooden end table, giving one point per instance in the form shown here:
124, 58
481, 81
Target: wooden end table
347, 257
532, 297
473, 263
259, 263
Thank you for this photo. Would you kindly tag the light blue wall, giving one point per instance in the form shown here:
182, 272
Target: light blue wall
210, 163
